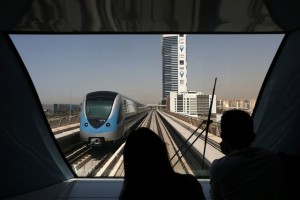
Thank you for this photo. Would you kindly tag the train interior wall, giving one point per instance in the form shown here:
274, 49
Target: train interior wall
34, 167
277, 113
32, 159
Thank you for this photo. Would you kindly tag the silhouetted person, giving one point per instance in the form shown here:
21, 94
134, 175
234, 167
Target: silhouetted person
148, 172
245, 172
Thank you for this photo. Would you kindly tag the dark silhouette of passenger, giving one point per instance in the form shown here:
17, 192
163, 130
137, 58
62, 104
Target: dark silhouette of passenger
148, 172
245, 172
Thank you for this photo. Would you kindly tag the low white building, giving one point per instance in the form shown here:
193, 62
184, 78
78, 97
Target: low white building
191, 103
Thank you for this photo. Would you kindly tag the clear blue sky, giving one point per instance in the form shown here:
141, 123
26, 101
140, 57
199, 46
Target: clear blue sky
66, 67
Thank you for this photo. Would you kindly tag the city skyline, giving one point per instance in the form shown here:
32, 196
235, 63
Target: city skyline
66, 67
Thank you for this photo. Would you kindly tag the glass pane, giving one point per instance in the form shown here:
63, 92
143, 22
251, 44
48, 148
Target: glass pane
98, 108
65, 69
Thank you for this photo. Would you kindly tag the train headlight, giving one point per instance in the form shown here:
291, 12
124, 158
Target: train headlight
86, 124
108, 124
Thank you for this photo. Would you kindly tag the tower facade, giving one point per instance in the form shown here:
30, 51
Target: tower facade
174, 64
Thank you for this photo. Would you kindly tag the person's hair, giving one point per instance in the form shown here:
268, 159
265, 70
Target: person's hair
237, 128
145, 153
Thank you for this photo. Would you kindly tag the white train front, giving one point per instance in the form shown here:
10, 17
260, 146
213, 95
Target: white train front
105, 116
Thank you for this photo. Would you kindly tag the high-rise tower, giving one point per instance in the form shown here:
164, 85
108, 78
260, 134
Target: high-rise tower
174, 65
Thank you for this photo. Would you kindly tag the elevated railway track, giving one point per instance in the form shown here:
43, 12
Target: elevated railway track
107, 160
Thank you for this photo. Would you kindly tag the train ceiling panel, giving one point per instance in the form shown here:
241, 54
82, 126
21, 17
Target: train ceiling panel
203, 16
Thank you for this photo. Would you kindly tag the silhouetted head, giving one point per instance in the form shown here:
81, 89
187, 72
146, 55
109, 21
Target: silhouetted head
145, 154
237, 129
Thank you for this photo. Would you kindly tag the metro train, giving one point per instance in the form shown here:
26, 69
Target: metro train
106, 116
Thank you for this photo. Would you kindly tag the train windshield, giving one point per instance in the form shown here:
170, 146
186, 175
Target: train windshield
98, 107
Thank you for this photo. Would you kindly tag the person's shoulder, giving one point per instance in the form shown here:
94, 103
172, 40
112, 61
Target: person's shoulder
219, 163
227, 161
186, 179
216, 167
190, 186
265, 154
260, 150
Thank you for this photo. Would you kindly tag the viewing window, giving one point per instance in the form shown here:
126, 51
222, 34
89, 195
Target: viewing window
141, 68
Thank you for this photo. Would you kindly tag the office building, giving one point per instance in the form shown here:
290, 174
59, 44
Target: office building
174, 64
191, 103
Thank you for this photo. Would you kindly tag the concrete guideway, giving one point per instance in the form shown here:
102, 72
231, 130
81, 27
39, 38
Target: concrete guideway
211, 152
183, 166
67, 135
64, 128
